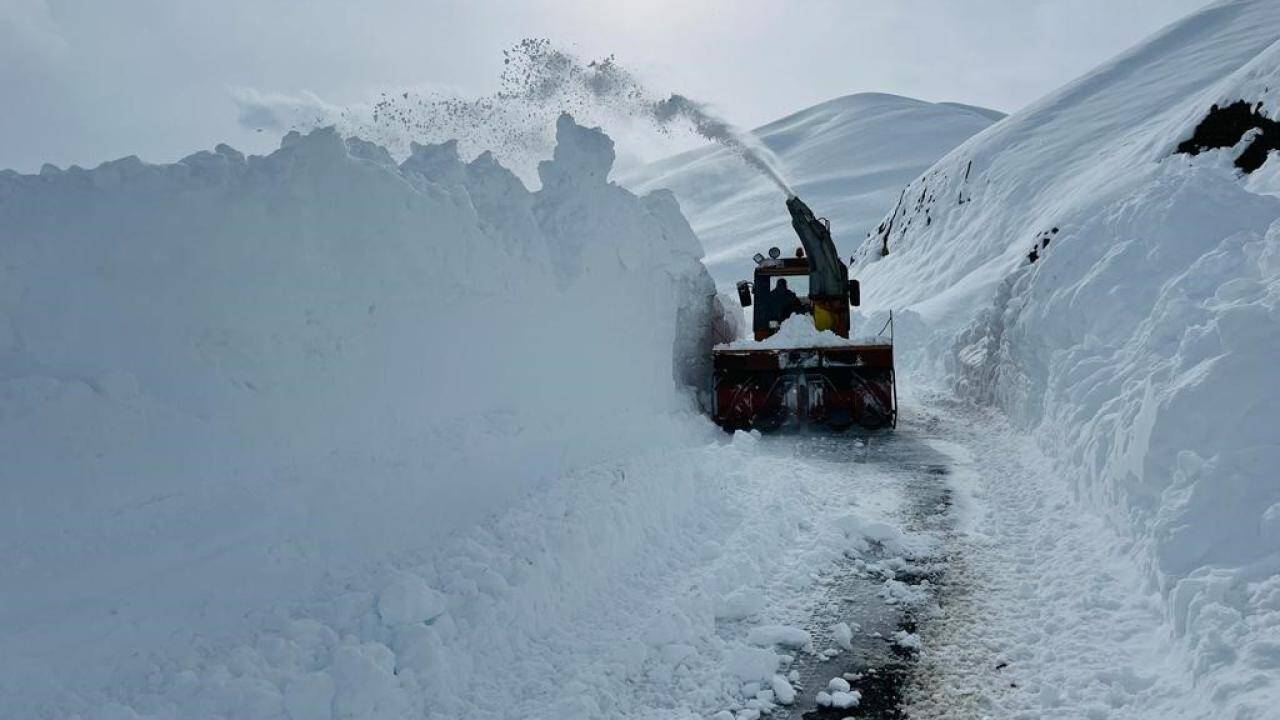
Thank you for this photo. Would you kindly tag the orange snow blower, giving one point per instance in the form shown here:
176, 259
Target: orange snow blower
821, 381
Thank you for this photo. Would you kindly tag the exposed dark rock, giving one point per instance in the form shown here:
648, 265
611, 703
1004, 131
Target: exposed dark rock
1224, 127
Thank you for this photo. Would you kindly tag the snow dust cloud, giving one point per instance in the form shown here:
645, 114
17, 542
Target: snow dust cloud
538, 82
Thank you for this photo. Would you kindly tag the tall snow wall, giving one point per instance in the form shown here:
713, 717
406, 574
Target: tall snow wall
1121, 301
226, 378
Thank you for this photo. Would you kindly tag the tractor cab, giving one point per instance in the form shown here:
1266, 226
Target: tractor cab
780, 289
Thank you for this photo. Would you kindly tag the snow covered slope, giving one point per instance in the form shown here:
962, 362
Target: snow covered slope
848, 158
225, 380
1121, 301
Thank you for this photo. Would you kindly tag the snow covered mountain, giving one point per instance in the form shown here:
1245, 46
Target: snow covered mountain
848, 158
1105, 266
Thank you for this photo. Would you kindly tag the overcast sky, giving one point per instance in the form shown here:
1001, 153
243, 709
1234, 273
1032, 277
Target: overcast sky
82, 81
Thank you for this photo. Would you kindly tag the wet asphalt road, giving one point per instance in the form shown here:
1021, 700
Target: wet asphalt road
880, 670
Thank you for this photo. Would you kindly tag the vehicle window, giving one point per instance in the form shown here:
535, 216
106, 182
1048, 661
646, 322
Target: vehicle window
798, 284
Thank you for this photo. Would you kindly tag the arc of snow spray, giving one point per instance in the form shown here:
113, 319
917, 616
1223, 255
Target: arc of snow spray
537, 83
748, 147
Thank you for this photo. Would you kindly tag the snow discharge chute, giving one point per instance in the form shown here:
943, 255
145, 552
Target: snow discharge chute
828, 276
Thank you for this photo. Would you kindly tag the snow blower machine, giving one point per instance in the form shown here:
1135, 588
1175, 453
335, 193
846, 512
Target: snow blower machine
814, 378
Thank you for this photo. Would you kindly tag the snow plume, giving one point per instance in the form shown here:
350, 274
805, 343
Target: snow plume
713, 128
538, 82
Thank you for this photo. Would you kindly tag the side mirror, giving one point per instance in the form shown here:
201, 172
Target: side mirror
855, 293
744, 293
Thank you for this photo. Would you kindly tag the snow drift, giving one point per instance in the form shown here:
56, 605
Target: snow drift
227, 379
1121, 300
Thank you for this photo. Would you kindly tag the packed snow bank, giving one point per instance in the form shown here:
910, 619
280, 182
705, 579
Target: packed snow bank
848, 158
798, 331
1121, 300
224, 379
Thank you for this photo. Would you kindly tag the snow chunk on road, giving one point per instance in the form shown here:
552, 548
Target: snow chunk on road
782, 690
839, 699
838, 684
843, 635
845, 700
750, 664
408, 599
908, 640
864, 532
896, 592
783, 635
